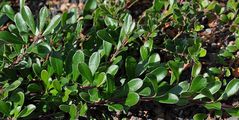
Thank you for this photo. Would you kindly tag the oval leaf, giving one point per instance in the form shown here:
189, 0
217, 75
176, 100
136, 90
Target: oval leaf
94, 62
85, 72
52, 25
135, 84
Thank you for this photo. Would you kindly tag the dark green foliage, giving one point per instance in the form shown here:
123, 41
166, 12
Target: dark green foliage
57, 65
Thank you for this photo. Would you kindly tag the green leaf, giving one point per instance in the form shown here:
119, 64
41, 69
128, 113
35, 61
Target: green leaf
29, 19
113, 69
176, 68
43, 15
77, 58
130, 65
127, 27
132, 99
14, 85
231, 88
90, 5
45, 77
158, 5
20, 23
57, 85
4, 108
107, 47
233, 111
214, 106
200, 116
100, 79
154, 58
237, 42
7, 9
145, 92
144, 52
73, 111
135, 84
34, 88
94, 94
52, 25
160, 73
65, 108
207, 93
198, 83
168, 99
57, 62
232, 48
104, 35
7, 37
213, 88
83, 109
85, 72
27, 110
110, 84
94, 62
116, 107
196, 69
36, 69
18, 98
203, 52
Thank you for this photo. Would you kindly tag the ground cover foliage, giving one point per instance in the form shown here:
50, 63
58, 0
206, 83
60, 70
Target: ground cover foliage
116, 57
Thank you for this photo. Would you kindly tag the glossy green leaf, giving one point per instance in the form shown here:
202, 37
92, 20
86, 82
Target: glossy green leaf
20, 23
57, 85
27, 110
29, 19
52, 25
113, 69
154, 58
168, 99
45, 77
107, 47
144, 52
127, 27
160, 73
83, 109
94, 62
8, 11
203, 52
43, 15
215, 106
116, 107
135, 84
104, 35
198, 83
73, 111
77, 58
100, 79
130, 66
64, 108
199, 116
14, 85
7, 37
132, 99
196, 69
231, 88
4, 107
213, 88
34, 87
57, 62
85, 72
90, 5
94, 94
233, 111
145, 92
